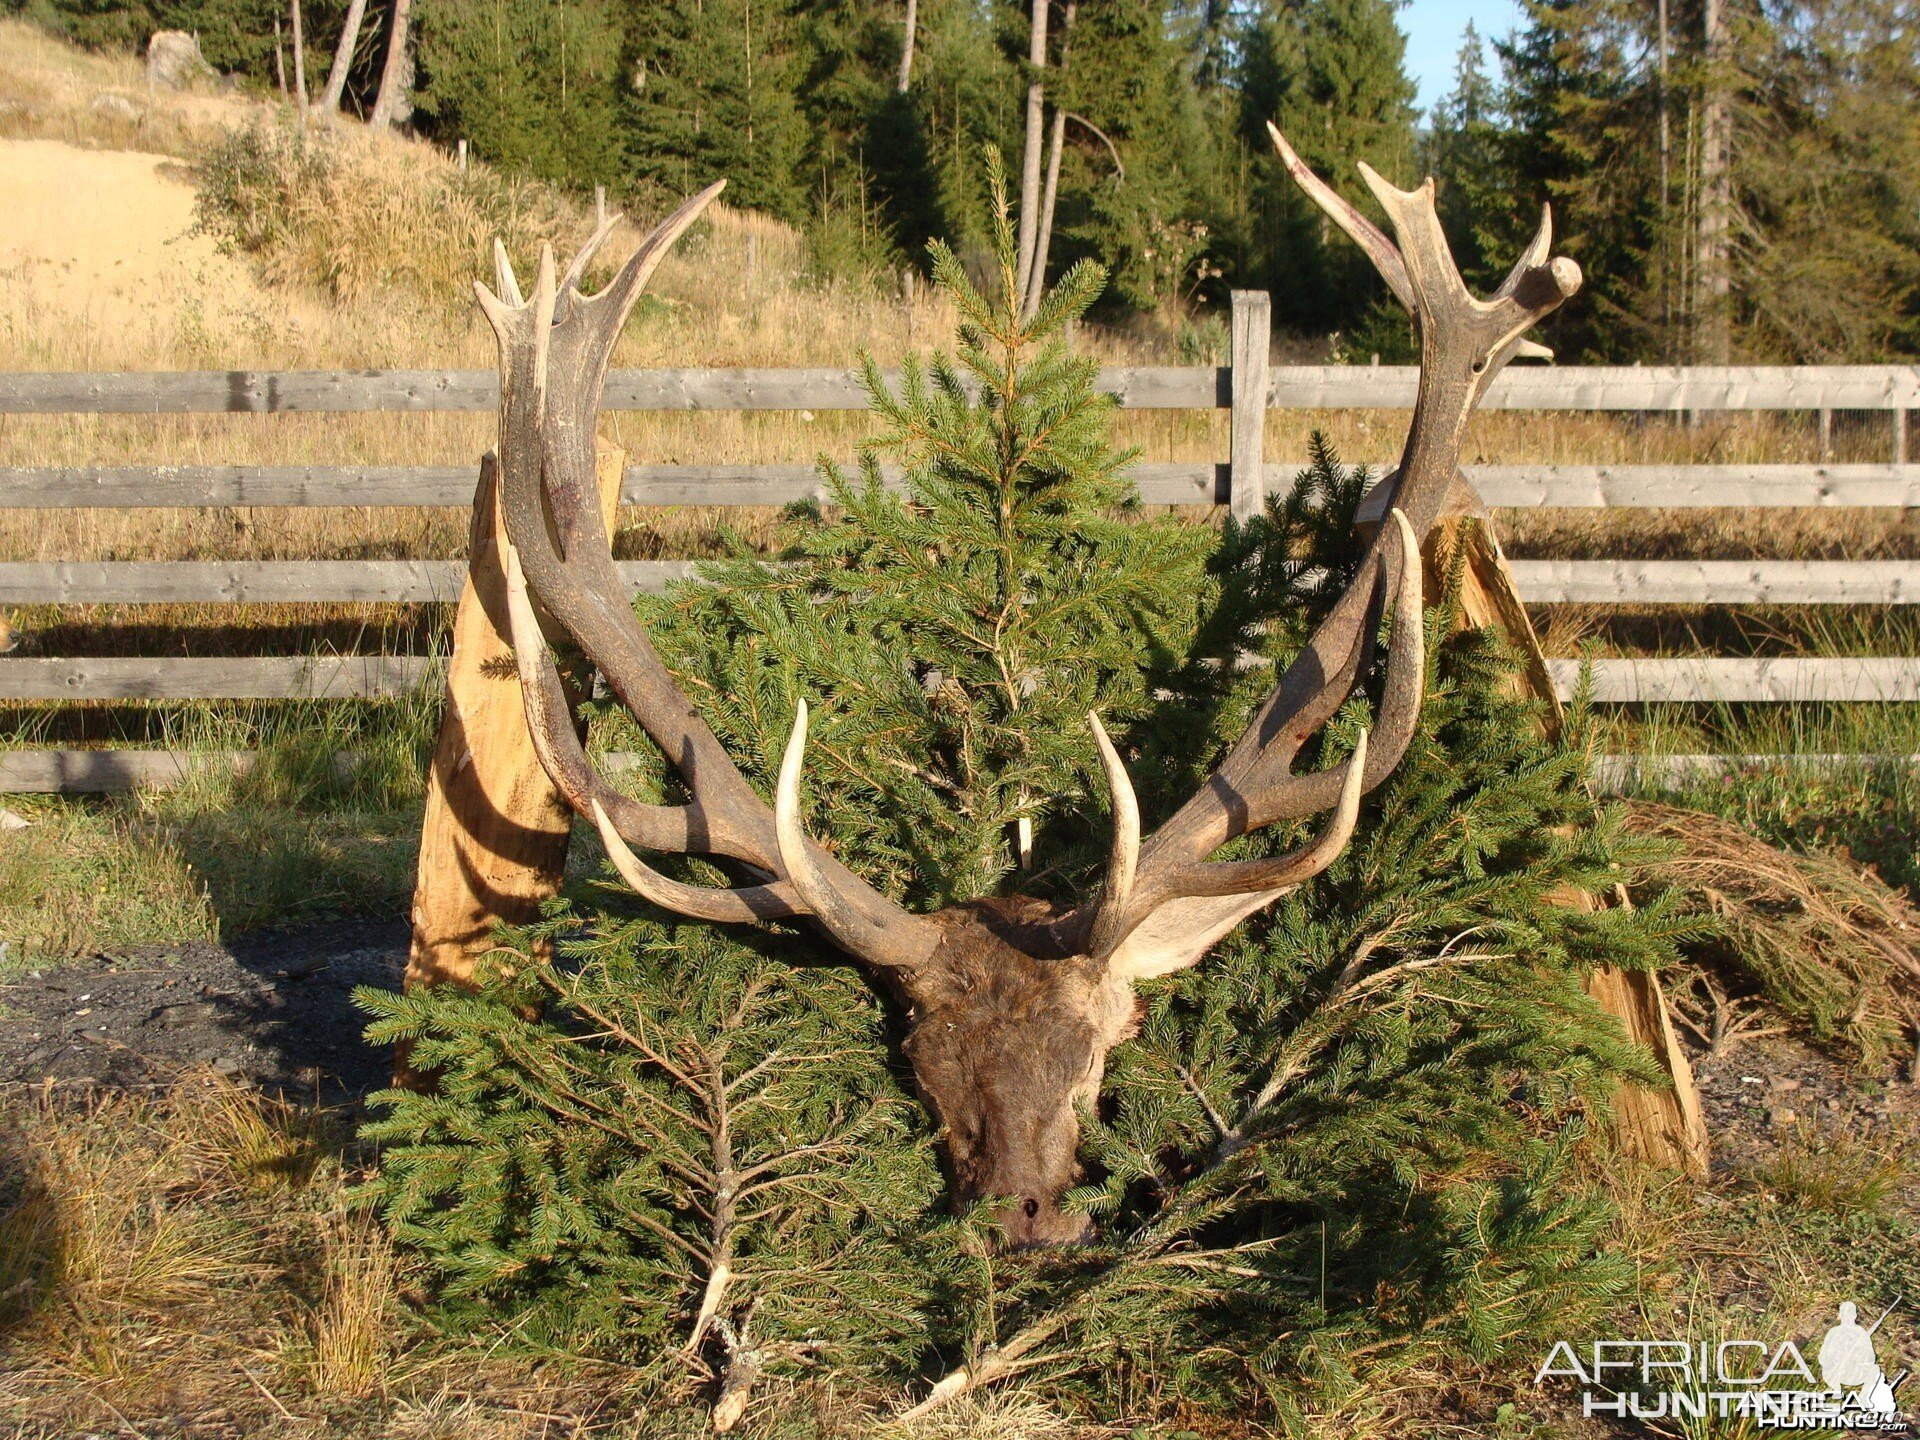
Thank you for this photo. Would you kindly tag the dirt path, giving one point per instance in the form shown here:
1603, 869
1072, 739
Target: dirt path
105, 238
274, 1010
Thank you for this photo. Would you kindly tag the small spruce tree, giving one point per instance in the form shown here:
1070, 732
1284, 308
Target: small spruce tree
959, 627
1342, 1144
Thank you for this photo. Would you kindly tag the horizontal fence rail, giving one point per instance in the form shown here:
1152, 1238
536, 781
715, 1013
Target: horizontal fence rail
1584, 487
356, 677
1289, 387
277, 677
272, 582
1546, 582
57, 771
1247, 388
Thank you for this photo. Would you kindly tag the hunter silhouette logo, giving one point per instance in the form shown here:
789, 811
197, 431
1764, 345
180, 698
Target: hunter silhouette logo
1769, 1383
1849, 1366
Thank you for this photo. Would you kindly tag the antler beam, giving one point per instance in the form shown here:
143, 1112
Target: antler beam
1175, 902
554, 351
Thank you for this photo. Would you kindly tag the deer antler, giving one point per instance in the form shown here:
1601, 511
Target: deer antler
554, 353
1165, 902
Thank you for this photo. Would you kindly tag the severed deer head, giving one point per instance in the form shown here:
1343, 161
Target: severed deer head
1012, 1003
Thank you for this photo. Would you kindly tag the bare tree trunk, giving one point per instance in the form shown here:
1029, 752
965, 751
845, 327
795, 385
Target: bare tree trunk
1667, 305
393, 75
343, 58
1712, 336
1030, 160
906, 47
279, 57
299, 66
1037, 280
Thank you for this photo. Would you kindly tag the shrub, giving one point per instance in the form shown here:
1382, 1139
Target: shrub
355, 218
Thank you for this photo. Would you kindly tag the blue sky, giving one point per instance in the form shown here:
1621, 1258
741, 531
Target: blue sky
1433, 31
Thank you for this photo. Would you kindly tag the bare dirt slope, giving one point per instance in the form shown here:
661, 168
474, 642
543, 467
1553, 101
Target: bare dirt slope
105, 239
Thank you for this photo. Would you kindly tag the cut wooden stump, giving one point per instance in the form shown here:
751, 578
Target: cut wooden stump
1662, 1127
493, 844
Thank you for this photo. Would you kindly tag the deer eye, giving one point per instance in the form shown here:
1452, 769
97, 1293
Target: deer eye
1029, 1207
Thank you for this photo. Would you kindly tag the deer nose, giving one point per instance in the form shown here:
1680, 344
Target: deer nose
1033, 1224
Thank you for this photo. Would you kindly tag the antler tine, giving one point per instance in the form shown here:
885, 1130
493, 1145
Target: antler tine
824, 899
1285, 872
746, 904
1124, 858
1363, 232
505, 280
610, 307
583, 257
1536, 253
1422, 247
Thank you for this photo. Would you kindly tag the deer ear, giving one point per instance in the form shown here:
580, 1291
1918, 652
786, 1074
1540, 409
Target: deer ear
1179, 933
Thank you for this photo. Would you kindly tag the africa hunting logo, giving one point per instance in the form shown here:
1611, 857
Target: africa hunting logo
1770, 1384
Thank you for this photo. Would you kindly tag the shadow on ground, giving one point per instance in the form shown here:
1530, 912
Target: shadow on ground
271, 1009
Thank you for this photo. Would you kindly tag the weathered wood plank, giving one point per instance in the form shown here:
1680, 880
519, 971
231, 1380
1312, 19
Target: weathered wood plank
1718, 582
364, 676
321, 677
1614, 387
133, 487
100, 771
1621, 772
1252, 342
1664, 487
253, 392
1587, 387
1160, 483
78, 772
264, 582
295, 582
1742, 680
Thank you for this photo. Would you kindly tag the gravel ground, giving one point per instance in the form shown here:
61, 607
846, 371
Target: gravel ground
273, 1010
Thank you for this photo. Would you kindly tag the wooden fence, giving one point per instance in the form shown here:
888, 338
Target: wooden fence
1246, 388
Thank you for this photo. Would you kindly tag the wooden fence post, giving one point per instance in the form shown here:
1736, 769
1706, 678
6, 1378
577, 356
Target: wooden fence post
493, 843
1247, 476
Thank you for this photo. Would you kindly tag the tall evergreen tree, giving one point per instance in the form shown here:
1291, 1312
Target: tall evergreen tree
963, 626
1138, 155
1331, 74
1581, 89
533, 85
1827, 264
714, 91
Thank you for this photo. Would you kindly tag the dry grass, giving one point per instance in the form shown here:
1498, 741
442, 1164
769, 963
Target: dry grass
1817, 934
353, 1329
164, 1270
86, 877
128, 1251
48, 91
1843, 1174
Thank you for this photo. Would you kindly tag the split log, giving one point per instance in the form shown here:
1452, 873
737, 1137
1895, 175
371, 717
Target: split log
493, 844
